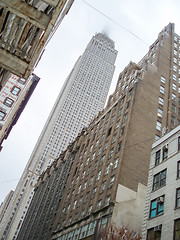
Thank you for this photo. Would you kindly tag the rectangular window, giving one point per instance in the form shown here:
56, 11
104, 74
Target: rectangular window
107, 169
120, 111
154, 233
103, 186
160, 113
177, 197
2, 115
15, 90
157, 157
165, 153
172, 120
178, 169
159, 180
158, 125
177, 229
122, 131
107, 200
111, 181
163, 80
8, 102
162, 89
173, 108
178, 143
173, 97
161, 101
174, 86
125, 117
116, 162
22, 80
157, 207
174, 77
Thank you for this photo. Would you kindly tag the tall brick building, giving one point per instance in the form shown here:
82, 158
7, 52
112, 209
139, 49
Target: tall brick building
100, 179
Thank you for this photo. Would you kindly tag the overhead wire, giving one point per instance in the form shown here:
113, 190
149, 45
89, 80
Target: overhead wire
115, 22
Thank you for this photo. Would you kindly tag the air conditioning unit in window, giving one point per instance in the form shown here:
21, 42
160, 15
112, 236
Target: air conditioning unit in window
157, 228
160, 199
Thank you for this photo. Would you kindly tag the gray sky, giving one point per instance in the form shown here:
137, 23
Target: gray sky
144, 18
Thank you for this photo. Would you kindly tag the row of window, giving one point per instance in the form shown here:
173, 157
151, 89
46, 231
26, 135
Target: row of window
84, 231
155, 232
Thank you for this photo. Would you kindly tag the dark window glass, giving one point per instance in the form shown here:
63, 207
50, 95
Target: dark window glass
178, 197
159, 180
177, 229
157, 157
154, 233
8, 102
178, 169
2, 115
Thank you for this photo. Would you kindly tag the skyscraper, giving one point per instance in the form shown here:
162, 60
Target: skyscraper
82, 96
101, 178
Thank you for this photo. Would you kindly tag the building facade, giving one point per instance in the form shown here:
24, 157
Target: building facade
82, 96
25, 28
105, 182
162, 210
13, 99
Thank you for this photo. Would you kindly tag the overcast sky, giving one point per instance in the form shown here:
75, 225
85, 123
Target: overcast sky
143, 18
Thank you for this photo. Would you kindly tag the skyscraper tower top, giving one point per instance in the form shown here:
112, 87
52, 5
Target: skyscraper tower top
82, 96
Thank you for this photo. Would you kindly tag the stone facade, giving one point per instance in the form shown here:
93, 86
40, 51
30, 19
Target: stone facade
162, 210
113, 153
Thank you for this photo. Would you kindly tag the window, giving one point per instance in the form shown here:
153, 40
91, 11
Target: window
111, 181
83, 231
125, 117
120, 112
103, 186
175, 68
177, 229
163, 80
8, 102
177, 197
174, 86
2, 115
114, 138
165, 153
110, 153
178, 169
116, 162
104, 222
153, 234
122, 131
99, 203
160, 113
92, 227
173, 108
109, 131
161, 101
173, 97
158, 125
159, 180
107, 200
157, 157
90, 209
162, 89
172, 120
174, 77
107, 169
157, 207
15, 90
178, 143
98, 175
22, 80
